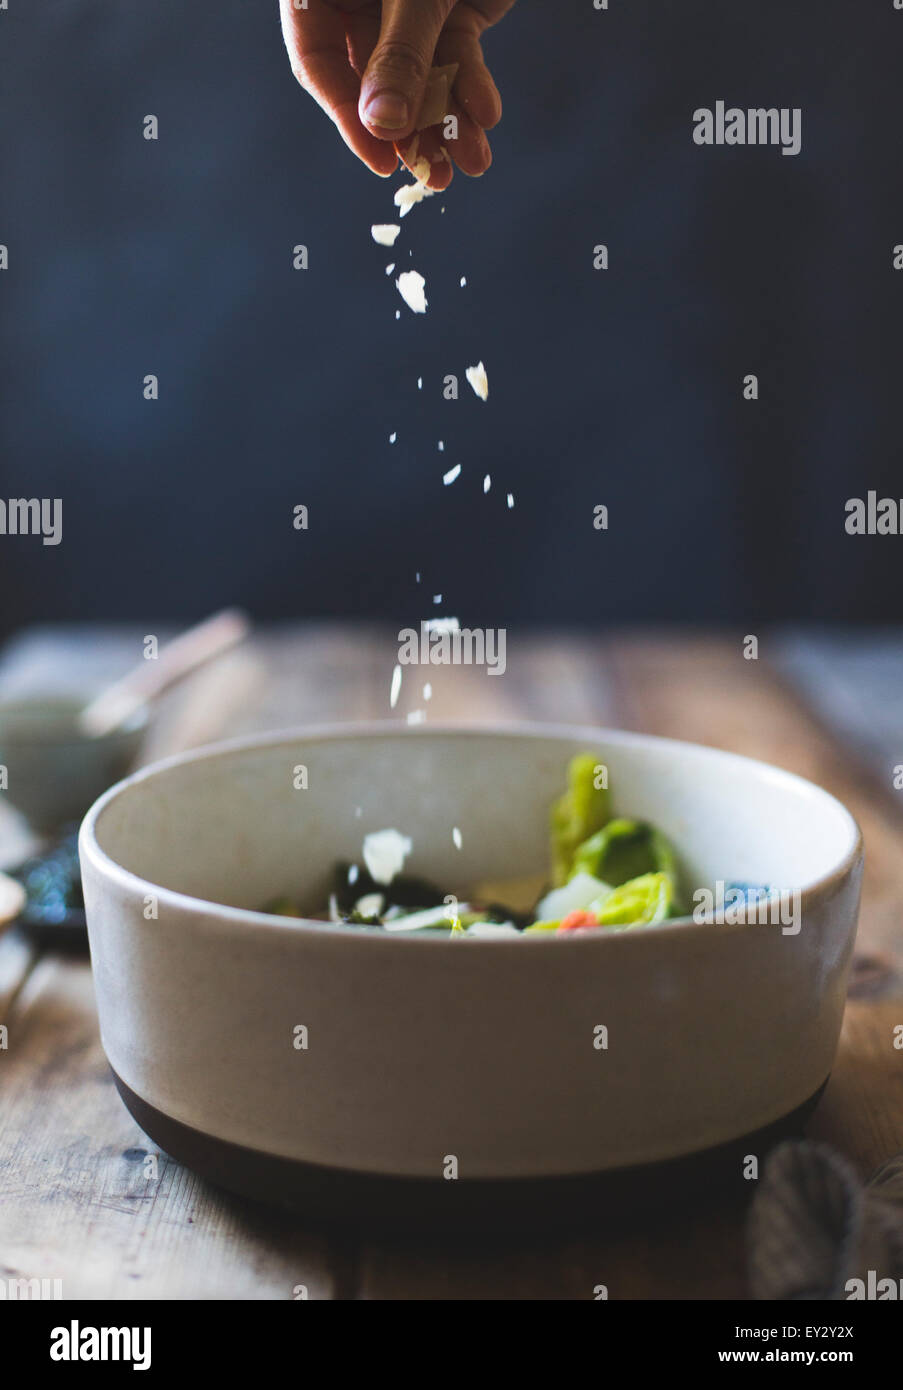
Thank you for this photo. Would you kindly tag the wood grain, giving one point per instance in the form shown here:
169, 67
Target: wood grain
79, 1200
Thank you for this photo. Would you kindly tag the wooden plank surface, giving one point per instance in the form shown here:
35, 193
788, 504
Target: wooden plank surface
74, 1199
86, 1198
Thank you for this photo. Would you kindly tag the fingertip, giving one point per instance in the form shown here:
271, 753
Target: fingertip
494, 115
487, 161
384, 114
441, 176
479, 97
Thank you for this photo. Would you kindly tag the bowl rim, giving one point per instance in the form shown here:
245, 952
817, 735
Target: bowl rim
237, 918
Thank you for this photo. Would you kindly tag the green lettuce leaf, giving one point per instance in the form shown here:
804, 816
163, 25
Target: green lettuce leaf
641, 901
578, 814
622, 850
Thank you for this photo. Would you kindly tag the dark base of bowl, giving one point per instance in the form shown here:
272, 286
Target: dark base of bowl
342, 1199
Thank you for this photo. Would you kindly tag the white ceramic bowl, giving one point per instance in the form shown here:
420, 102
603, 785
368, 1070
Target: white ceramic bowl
422, 1050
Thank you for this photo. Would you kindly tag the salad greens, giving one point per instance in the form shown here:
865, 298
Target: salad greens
606, 873
577, 815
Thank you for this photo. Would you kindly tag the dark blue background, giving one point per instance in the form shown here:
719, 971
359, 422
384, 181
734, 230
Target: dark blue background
281, 387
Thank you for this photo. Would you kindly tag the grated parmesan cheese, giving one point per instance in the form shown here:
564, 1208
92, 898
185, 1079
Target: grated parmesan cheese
408, 195
411, 286
384, 854
385, 233
478, 380
437, 96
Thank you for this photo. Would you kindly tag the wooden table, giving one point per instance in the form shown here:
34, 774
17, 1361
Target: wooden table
75, 1200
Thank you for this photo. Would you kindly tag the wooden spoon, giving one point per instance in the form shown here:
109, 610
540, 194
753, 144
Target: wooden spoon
116, 705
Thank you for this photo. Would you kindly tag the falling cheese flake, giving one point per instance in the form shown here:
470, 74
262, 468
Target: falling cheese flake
385, 233
463, 281
487, 483
384, 854
510, 500
456, 836
478, 380
418, 576
395, 690
411, 286
451, 475
398, 313
390, 267
393, 436
353, 871
420, 383
437, 598
427, 691
410, 194
417, 716
441, 446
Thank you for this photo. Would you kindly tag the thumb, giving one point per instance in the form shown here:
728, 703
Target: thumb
393, 85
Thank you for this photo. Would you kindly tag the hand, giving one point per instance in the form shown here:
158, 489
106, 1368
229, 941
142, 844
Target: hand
366, 62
